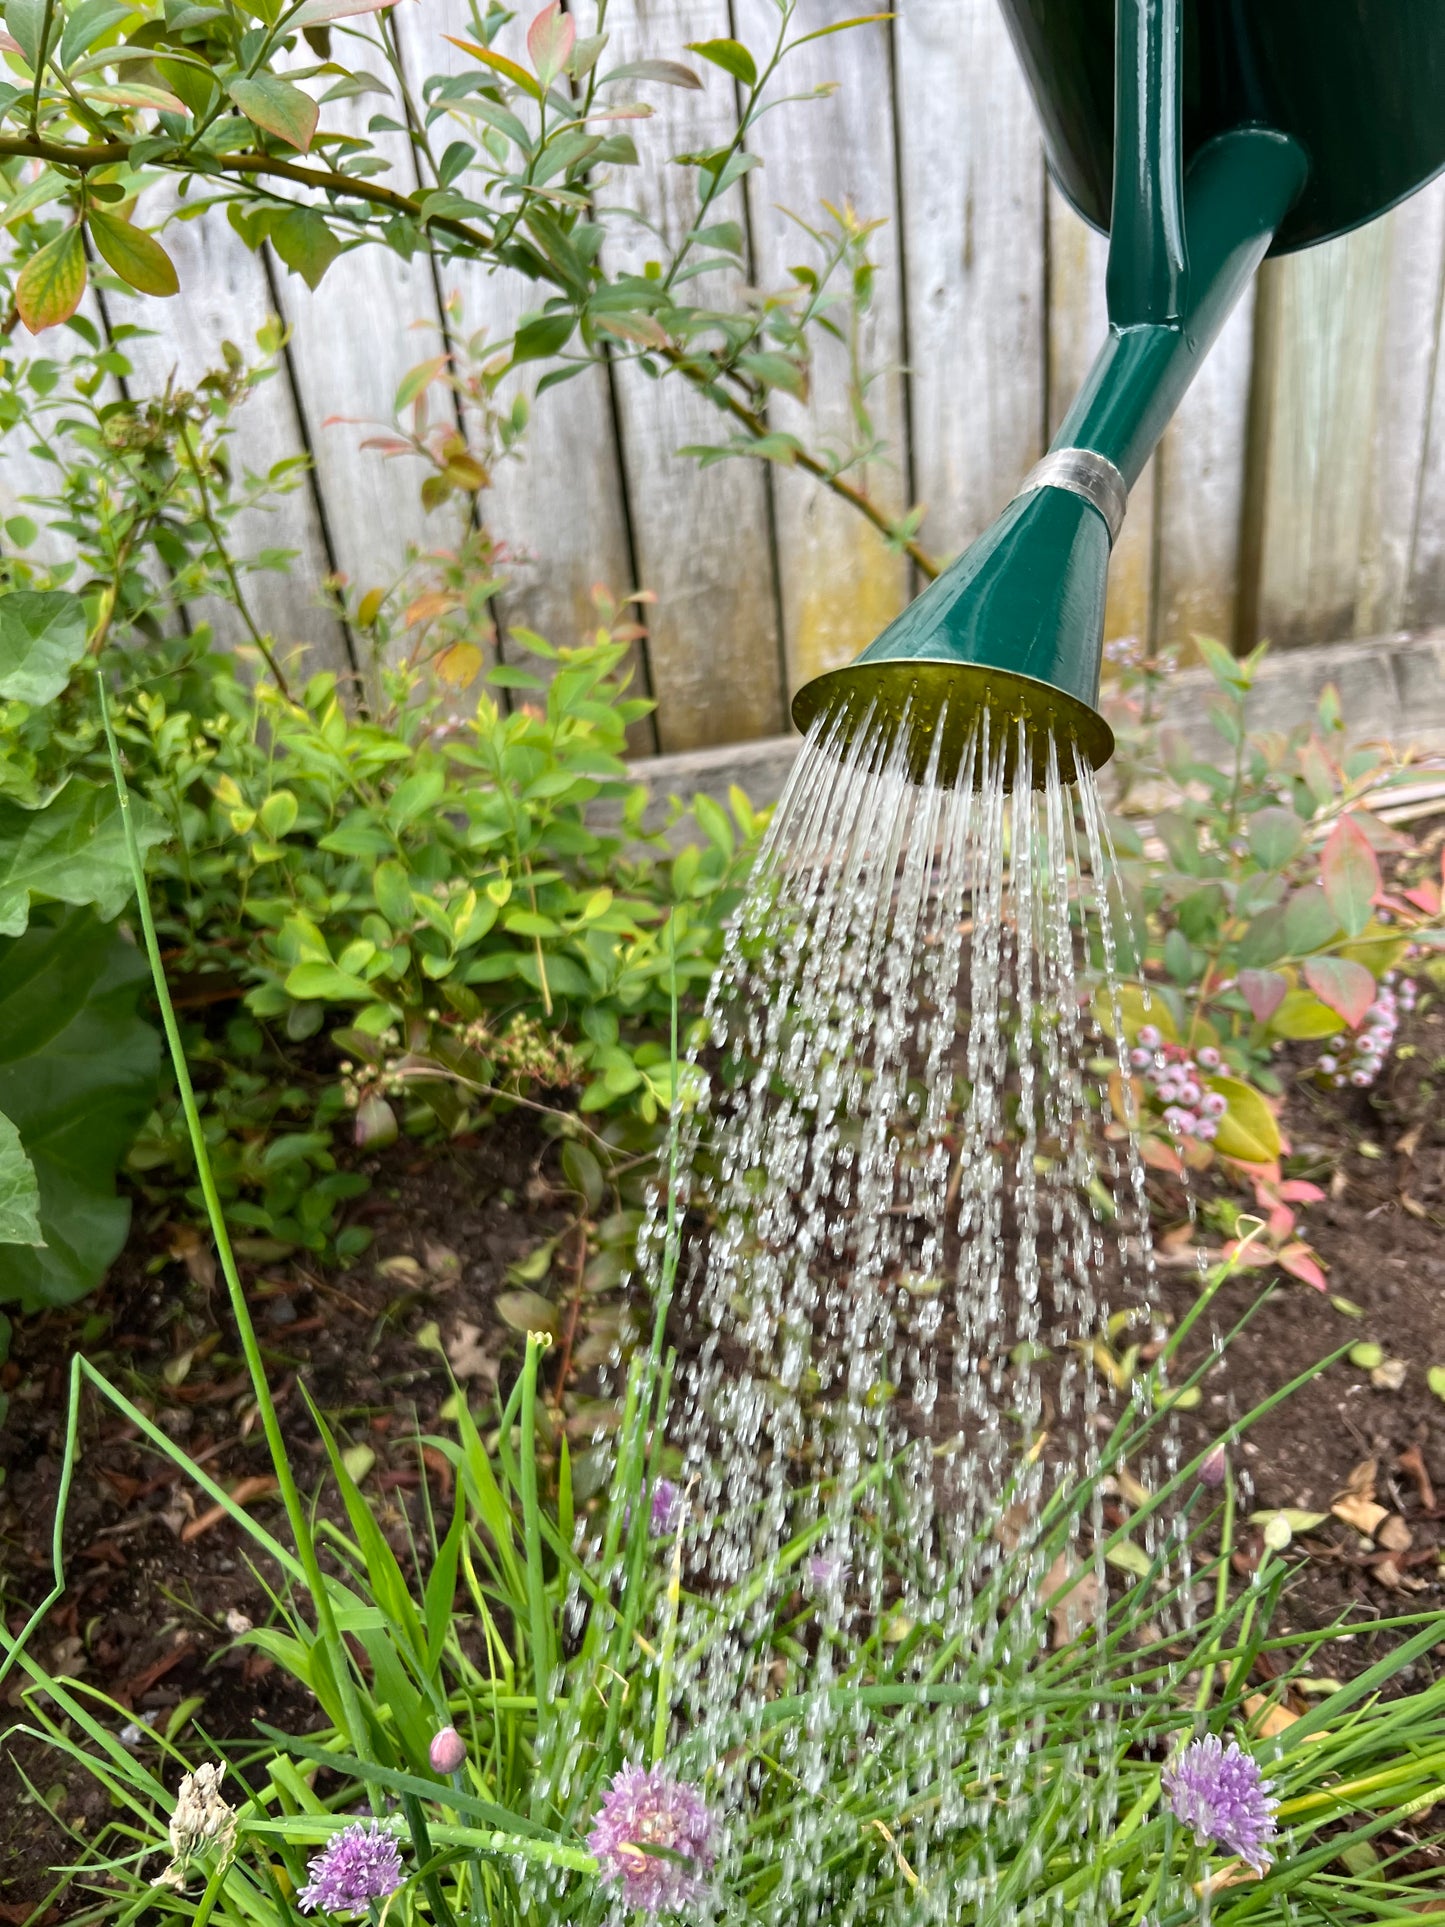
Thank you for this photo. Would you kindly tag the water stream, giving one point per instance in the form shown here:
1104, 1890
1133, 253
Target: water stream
918, 1230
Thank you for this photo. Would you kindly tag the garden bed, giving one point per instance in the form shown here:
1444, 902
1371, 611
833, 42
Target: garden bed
156, 1585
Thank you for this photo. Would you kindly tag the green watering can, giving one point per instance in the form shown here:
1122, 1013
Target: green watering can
1201, 135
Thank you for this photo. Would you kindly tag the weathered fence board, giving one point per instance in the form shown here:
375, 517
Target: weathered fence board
840, 583
972, 177
1300, 493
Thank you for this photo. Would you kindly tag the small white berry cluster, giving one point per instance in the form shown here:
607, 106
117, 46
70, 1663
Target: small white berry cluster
1358, 1059
1175, 1079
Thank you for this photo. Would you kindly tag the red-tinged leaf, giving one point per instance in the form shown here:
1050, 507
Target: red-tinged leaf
1300, 1262
316, 13
500, 64
550, 40
1426, 898
417, 380
1246, 1254
10, 45
383, 444
278, 107
1301, 1191
1346, 987
52, 282
1160, 1156
1351, 875
138, 258
1263, 991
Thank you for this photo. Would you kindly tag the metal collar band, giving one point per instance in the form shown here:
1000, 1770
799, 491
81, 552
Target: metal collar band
1084, 472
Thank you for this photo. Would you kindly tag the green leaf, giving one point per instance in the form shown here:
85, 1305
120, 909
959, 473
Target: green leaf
42, 638
278, 107
1435, 1379
1247, 1130
1309, 922
545, 335
316, 13
19, 1191
838, 26
671, 73
1227, 670
305, 243
25, 21
731, 56
52, 282
137, 257
78, 1075
85, 25
391, 886
325, 981
71, 851
1300, 1015
1275, 836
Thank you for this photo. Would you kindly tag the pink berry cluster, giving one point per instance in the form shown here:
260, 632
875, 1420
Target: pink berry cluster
1175, 1078
1358, 1059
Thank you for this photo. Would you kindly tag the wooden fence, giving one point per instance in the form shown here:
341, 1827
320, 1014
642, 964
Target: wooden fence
1300, 494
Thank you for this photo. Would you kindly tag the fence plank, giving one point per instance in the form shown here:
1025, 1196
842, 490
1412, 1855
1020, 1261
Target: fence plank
1324, 312
373, 317
1200, 492
1425, 581
840, 583
703, 537
1078, 324
224, 295
25, 473
558, 510
1402, 410
973, 221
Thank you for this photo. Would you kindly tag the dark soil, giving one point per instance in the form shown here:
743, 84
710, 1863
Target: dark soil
157, 1585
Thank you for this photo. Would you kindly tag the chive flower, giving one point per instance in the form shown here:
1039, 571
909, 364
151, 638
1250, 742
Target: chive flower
653, 1839
1218, 1791
358, 1865
665, 1500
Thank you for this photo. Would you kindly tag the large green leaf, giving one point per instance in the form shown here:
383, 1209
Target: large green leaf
72, 851
77, 1079
19, 1192
42, 638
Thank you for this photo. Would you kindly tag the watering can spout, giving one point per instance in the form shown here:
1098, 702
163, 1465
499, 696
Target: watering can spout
1013, 631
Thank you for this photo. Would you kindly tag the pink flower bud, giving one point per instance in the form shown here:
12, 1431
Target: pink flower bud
448, 1751
1212, 1470
1149, 1036
1209, 1057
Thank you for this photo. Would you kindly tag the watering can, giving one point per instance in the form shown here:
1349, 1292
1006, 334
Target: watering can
1201, 135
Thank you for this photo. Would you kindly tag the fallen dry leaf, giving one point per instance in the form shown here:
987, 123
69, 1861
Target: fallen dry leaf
1339, 1184
469, 1356
1363, 1514
1231, 1874
198, 1258
1408, 1142
1412, 1463
1266, 1719
241, 1494
1413, 1206
402, 1270
1394, 1535
1361, 1482
1389, 1375
442, 1262
1076, 1612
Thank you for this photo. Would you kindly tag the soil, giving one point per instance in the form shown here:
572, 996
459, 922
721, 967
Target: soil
157, 1584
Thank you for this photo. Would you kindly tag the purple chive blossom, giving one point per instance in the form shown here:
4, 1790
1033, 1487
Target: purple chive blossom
650, 1810
1218, 1792
358, 1865
665, 1500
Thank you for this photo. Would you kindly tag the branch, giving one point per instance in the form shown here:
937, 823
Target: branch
113, 153
758, 428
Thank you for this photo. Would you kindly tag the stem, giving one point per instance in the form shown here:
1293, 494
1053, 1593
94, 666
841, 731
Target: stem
230, 568
265, 1406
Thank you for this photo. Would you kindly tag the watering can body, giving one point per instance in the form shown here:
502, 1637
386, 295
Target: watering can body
1359, 84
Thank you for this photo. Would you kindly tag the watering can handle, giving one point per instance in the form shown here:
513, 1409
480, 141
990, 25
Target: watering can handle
1148, 264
